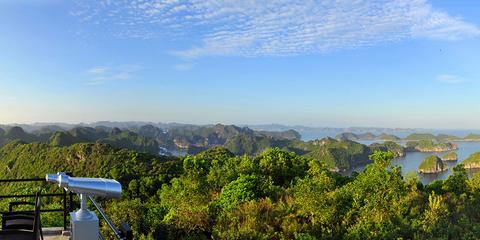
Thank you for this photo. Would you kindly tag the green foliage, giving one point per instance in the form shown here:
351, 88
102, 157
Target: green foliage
247, 144
391, 146
473, 161
420, 136
388, 137
457, 182
446, 138
116, 138
338, 154
142, 175
245, 188
472, 137
451, 156
238, 140
281, 166
275, 195
430, 146
432, 164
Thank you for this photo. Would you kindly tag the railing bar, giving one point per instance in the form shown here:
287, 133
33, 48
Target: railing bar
107, 220
70, 204
65, 209
23, 180
43, 210
32, 195
116, 231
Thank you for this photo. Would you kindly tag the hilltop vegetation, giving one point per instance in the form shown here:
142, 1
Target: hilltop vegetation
473, 161
430, 146
472, 137
339, 155
432, 164
451, 156
412, 137
194, 139
275, 195
366, 136
335, 154
388, 137
420, 136
141, 174
116, 137
391, 146
446, 138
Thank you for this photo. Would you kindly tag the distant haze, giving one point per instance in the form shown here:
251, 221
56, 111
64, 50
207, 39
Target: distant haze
307, 132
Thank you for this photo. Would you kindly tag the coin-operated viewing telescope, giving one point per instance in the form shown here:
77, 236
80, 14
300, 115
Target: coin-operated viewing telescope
84, 223
99, 187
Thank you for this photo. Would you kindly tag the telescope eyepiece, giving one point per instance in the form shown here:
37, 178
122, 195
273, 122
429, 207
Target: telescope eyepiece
52, 178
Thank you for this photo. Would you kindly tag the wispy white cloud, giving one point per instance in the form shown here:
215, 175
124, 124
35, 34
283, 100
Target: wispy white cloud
101, 74
272, 28
183, 66
450, 79
98, 70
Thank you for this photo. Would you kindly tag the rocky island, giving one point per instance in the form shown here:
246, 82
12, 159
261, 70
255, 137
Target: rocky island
394, 147
430, 146
451, 156
420, 136
472, 137
473, 161
432, 164
388, 137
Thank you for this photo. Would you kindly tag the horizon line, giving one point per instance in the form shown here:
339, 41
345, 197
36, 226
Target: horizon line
235, 124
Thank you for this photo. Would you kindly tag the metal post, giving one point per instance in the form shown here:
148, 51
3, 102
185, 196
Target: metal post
65, 210
71, 202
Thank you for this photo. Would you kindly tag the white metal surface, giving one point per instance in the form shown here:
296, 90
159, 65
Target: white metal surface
84, 229
99, 187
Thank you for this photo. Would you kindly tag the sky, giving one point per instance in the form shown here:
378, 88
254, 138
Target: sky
336, 63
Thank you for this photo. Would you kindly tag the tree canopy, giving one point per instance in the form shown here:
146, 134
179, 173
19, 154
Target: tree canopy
275, 195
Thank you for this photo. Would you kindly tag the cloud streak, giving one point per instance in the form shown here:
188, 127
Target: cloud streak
183, 66
450, 79
101, 74
253, 28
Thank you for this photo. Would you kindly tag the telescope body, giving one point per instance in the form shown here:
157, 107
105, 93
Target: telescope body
84, 224
99, 187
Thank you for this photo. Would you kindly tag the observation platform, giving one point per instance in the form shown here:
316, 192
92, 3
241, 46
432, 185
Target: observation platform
36, 206
55, 233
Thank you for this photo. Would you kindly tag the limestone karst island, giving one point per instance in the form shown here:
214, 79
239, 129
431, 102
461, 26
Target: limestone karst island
239, 120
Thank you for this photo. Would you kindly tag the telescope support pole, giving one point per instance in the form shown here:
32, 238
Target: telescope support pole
83, 201
84, 223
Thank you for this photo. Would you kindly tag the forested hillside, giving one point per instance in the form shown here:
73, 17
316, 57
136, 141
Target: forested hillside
55, 137
275, 195
337, 154
186, 139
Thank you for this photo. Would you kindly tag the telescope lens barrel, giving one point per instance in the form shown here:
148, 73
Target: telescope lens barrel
100, 187
52, 178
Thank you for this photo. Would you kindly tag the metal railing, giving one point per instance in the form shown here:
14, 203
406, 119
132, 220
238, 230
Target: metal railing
122, 233
67, 198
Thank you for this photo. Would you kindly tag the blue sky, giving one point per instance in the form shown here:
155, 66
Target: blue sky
404, 63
